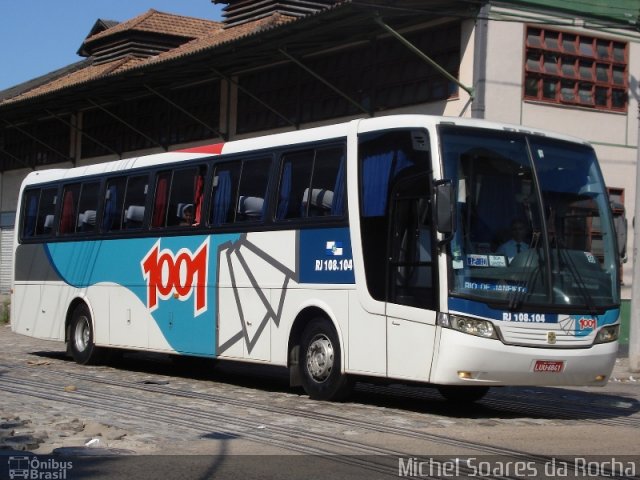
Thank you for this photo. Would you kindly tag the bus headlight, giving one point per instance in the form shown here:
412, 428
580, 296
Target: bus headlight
607, 334
472, 326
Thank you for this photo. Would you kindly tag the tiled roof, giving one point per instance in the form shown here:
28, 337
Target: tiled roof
205, 34
224, 36
237, 12
165, 23
32, 84
91, 72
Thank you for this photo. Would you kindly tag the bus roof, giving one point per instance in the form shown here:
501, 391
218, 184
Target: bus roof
286, 138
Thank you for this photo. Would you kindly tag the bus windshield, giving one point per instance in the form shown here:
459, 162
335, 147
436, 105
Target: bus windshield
534, 227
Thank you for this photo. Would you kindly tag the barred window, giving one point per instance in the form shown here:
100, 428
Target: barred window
575, 69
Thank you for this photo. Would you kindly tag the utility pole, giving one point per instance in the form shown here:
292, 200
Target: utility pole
634, 316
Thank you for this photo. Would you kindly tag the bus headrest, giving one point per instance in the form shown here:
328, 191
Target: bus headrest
250, 206
182, 207
319, 198
135, 213
89, 217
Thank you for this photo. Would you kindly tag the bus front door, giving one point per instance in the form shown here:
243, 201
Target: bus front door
411, 288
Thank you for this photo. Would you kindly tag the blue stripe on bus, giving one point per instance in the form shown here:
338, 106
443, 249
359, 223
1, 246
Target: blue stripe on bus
83, 264
479, 309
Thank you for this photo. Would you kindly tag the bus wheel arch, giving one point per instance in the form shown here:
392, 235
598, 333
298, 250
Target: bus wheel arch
316, 359
80, 334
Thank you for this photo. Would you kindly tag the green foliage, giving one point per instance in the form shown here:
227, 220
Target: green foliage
5, 312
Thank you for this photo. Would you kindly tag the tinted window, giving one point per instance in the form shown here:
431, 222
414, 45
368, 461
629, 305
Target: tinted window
38, 212
253, 190
179, 197
69, 212
135, 200
113, 202
125, 200
88, 207
239, 191
311, 184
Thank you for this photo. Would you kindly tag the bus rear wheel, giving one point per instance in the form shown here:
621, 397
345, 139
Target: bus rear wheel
321, 363
462, 394
80, 337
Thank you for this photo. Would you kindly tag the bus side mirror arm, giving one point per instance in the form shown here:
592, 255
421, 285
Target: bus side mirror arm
620, 225
445, 210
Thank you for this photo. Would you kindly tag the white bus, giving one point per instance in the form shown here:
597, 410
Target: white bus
377, 248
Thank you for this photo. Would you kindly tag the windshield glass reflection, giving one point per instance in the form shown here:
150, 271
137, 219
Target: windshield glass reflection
534, 224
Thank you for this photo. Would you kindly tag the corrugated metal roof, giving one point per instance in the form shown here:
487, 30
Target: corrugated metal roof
621, 13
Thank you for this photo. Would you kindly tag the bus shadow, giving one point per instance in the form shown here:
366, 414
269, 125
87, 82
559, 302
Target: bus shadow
501, 403
262, 377
507, 403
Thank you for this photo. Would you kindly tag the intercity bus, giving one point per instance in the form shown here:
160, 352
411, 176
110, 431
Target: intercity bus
370, 249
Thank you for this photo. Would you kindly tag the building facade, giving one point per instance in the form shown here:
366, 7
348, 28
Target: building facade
162, 82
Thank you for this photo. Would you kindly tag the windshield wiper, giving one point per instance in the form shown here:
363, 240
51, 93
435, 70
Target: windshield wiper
518, 296
565, 257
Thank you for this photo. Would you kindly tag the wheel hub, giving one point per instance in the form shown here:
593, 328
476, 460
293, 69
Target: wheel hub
320, 358
82, 334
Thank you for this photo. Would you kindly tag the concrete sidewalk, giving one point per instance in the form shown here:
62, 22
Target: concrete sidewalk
621, 371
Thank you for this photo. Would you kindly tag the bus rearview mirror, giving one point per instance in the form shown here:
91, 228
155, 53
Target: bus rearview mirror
445, 206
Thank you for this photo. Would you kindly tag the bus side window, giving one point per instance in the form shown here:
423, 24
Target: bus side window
311, 184
252, 191
295, 177
135, 201
46, 211
160, 200
30, 213
327, 183
68, 214
225, 187
87, 207
384, 161
113, 203
185, 200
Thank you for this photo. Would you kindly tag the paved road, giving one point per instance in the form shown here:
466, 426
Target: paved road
129, 418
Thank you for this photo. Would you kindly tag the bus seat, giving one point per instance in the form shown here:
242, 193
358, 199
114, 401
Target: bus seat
134, 215
90, 217
48, 224
250, 207
321, 201
180, 209
87, 221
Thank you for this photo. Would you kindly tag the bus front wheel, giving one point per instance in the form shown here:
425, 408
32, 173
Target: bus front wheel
80, 337
321, 363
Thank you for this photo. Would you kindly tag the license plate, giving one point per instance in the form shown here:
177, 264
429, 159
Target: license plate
548, 366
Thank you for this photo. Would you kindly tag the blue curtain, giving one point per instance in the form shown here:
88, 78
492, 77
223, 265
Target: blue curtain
32, 212
110, 207
285, 192
337, 207
375, 182
221, 199
401, 162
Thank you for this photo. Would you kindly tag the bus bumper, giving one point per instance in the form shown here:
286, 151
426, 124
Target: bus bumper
466, 359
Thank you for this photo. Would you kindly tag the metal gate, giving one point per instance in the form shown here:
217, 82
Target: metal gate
6, 259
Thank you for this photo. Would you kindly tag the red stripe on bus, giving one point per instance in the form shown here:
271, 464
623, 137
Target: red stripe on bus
216, 149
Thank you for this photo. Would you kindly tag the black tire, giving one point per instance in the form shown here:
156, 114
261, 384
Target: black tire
462, 394
321, 363
80, 338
